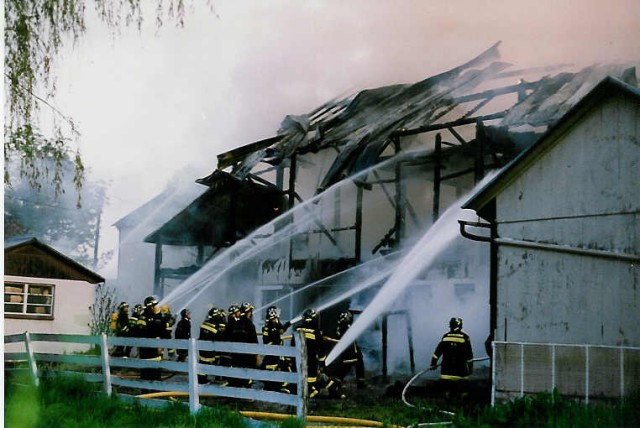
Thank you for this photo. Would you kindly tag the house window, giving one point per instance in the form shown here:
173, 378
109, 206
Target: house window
23, 300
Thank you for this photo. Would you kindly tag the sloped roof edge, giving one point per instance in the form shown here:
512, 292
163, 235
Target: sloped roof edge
16, 243
606, 88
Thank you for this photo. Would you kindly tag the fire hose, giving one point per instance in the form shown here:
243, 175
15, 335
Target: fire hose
404, 391
275, 416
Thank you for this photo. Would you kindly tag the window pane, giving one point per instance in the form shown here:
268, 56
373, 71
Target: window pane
39, 299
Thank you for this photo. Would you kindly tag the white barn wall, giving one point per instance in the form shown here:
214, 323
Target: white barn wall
583, 193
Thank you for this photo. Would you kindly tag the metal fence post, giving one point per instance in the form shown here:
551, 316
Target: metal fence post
493, 373
586, 374
621, 373
303, 385
522, 370
33, 368
553, 372
194, 390
106, 369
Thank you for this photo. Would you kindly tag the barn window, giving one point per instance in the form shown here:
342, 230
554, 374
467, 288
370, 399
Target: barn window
24, 300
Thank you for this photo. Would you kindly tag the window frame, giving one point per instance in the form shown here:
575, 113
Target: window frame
30, 300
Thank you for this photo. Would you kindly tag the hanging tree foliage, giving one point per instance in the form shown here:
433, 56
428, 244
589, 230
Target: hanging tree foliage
35, 32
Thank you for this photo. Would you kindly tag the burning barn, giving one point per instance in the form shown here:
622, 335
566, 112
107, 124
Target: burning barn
320, 214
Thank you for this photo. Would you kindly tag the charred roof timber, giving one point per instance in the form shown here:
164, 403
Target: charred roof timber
467, 103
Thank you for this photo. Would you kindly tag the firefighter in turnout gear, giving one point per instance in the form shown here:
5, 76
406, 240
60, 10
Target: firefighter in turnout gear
243, 330
152, 326
212, 329
168, 319
134, 318
310, 328
272, 332
183, 331
350, 358
121, 327
455, 350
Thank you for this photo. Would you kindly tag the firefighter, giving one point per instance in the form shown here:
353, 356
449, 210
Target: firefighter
233, 316
272, 332
121, 327
350, 358
183, 331
310, 327
243, 330
152, 326
212, 329
168, 320
457, 356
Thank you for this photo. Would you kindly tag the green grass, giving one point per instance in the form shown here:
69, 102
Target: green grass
552, 410
71, 402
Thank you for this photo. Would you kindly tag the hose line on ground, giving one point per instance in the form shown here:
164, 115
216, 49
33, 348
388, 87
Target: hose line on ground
275, 416
404, 390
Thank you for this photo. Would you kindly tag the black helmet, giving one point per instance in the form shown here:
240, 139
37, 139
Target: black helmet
273, 312
455, 323
246, 307
345, 317
150, 301
234, 308
213, 312
185, 312
137, 309
309, 315
123, 305
220, 317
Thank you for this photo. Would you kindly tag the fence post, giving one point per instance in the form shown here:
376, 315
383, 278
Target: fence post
33, 368
553, 373
621, 373
194, 390
303, 384
586, 374
106, 364
522, 370
493, 373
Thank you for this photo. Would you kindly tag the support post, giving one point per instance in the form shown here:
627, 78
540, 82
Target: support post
478, 164
291, 193
33, 368
412, 362
400, 204
437, 174
106, 364
157, 281
358, 238
385, 319
194, 391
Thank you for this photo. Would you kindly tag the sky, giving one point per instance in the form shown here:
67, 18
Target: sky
149, 104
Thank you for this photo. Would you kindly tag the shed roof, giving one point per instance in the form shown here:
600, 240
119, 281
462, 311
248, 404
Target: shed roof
482, 201
27, 256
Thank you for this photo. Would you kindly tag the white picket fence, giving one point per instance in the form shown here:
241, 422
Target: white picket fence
102, 366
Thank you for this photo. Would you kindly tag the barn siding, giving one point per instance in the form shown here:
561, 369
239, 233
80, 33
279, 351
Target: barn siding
582, 193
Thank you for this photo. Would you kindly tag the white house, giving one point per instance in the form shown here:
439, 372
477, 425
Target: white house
45, 292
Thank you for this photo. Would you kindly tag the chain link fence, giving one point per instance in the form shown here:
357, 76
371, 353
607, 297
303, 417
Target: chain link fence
585, 372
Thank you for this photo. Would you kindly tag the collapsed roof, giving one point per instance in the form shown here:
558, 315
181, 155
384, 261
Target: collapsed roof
361, 126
